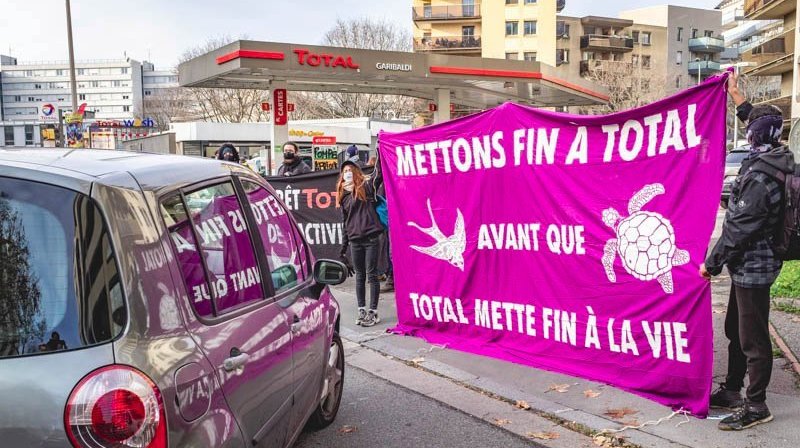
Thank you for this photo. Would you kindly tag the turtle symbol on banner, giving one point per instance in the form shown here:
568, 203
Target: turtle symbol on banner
448, 248
645, 241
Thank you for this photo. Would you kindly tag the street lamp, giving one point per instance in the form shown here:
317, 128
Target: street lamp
697, 60
72, 81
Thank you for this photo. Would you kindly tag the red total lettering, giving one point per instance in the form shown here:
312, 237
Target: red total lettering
301, 54
339, 62
327, 58
313, 60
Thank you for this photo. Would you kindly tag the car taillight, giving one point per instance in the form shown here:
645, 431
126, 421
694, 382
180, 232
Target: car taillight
116, 407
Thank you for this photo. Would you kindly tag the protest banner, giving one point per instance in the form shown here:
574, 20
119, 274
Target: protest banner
565, 242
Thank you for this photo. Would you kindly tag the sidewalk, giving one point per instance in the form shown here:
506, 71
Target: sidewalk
513, 382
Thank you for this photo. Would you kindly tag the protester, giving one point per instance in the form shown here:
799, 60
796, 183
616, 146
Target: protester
228, 153
292, 163
753, 217
362, 229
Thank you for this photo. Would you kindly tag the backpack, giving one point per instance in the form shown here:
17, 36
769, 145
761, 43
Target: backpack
382, 208
786, 241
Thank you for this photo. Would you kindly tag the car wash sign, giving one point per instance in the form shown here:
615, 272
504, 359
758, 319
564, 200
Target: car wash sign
567, 243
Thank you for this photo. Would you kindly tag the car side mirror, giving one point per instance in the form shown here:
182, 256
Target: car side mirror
329, 272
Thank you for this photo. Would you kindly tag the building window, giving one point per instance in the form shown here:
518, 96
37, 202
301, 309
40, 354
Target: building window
679, 58
124, 70
512, 2
17, 98
645, 38
512, 28
125, 97
28, 72
81, 72
31, 99
635, 36
680, 34
116, 83
708, 33
82, 96
468, 31
467, 8
562, 56
60, 72
646, 61
512, 56
635, 59
694, 33
530, 56
530, 27
147, 93
126, 108
37, 86
530, 2
9, 135
28, 134
678, 82
95, 83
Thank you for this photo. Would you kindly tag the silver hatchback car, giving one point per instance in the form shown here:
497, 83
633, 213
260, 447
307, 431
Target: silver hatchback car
151, 301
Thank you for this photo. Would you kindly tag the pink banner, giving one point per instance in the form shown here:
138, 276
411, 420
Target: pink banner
564, 242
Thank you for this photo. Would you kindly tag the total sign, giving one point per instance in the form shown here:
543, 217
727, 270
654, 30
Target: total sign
48, 112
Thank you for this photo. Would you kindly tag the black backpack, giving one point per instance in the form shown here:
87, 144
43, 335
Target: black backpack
786, 240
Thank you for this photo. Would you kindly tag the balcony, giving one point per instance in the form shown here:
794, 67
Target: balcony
707, 45
597, 42
560, 5
448, 44
771, 50
562, 30
768, 9
462, 12
706, 68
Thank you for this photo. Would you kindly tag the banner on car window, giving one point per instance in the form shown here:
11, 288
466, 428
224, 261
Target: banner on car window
565, 242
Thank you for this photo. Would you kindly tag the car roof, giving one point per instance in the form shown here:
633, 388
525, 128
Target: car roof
152, 171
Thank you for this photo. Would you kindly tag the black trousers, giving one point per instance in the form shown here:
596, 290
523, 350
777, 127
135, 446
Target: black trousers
750, 348
365, 262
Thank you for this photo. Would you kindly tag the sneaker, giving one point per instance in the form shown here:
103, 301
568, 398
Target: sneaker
371, 319
748, 416
362, 314
726, 399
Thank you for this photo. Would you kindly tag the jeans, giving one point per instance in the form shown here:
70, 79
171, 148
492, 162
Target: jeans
750, 348
365, 262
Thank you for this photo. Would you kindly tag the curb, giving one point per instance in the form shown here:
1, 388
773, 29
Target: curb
787, 352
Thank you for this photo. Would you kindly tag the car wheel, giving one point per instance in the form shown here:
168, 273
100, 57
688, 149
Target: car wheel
332, 387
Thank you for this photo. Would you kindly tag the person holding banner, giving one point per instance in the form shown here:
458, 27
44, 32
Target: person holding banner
356, 196
754, 215
292, 163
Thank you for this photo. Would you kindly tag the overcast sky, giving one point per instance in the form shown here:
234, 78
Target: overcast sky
160, 30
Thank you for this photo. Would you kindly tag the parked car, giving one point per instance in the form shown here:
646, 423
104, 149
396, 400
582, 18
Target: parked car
153, 301
733, 161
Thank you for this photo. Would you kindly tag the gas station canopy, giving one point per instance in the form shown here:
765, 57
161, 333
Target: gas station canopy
470, 81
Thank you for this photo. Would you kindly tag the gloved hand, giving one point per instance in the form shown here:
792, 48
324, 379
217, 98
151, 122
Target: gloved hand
348, 265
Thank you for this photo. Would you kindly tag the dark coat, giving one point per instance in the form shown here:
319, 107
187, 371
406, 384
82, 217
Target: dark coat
294, 168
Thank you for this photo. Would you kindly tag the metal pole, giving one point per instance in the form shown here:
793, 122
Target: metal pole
73, 83
735, 118
698, 69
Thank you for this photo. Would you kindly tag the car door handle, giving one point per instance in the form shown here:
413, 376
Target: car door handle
297, 325
235, 362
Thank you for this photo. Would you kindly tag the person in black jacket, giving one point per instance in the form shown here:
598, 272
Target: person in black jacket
753, 218
228, 153
362, 229
292, 163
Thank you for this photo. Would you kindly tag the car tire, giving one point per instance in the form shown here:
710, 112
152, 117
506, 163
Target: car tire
333, 385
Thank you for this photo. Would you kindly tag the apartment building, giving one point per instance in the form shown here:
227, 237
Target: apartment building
510, 29
31, 93
772, 53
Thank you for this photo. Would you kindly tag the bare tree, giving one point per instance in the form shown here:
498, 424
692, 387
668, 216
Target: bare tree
168, 105
756, 89
223, 104
629, 85
363, 33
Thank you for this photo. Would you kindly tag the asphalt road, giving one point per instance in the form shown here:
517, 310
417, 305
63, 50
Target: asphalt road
376, 413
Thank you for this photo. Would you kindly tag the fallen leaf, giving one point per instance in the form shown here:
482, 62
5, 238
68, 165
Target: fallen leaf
632, 422
347, 429
501, 421
543, 435
418, 360
618, 414
591, 394
558, 388
523, 405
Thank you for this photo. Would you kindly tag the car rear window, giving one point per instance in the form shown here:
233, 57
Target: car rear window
736, 157
59, 284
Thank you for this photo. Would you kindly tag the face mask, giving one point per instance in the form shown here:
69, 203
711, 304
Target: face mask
348, 176
288, 155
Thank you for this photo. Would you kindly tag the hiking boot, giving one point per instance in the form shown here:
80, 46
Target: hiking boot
371, 319
362, 314
388, 286
726, 399
751, 414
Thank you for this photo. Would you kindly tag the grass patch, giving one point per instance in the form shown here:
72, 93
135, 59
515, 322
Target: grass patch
785, 307
788, 283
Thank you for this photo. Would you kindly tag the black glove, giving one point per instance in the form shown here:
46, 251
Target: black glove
348, 265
